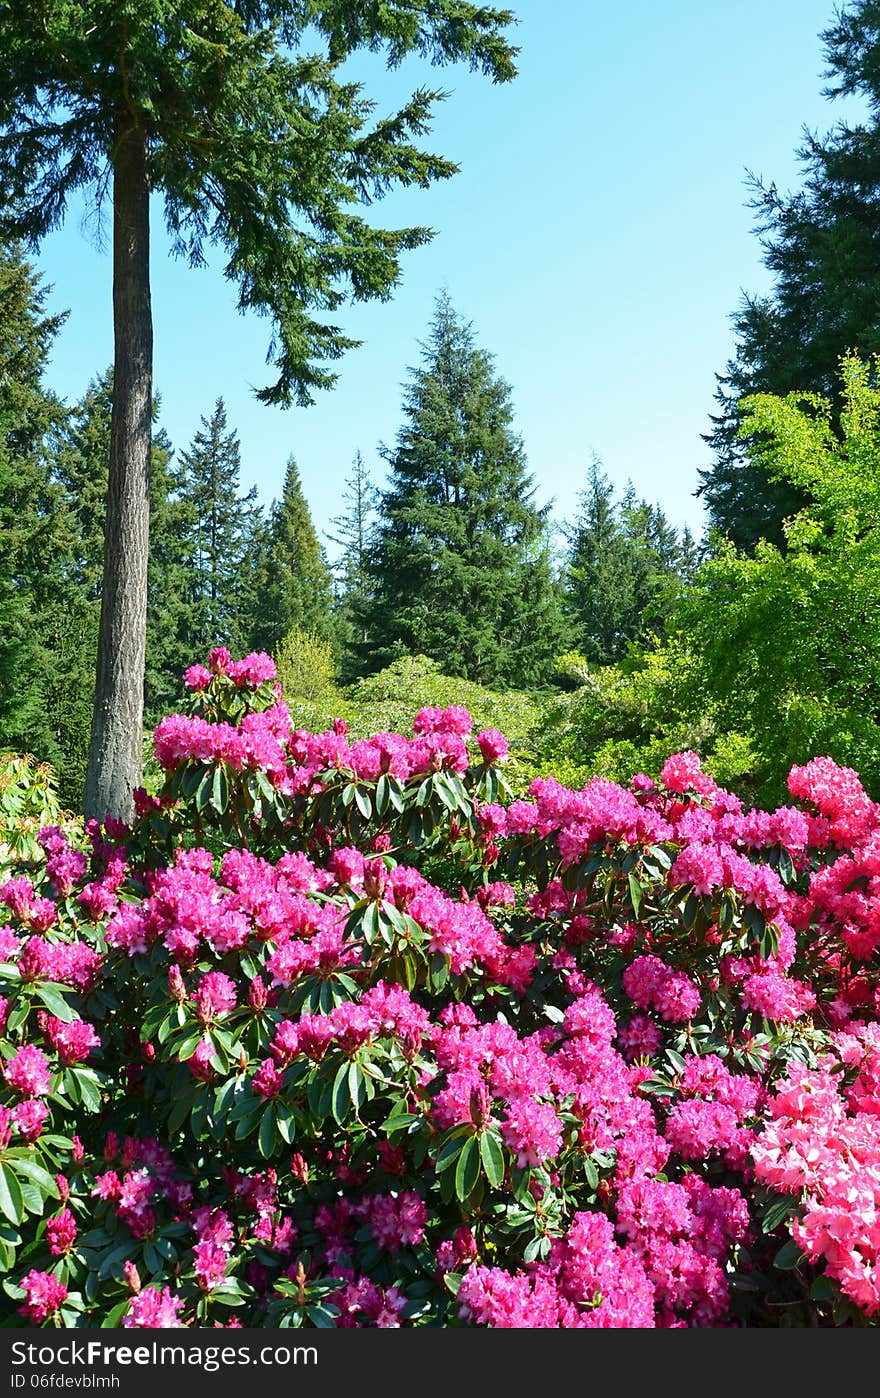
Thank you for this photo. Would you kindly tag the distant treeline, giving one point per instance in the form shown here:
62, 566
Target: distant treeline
453, 558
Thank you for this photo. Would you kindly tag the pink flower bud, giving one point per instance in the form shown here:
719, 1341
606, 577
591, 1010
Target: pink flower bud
299, 1168
257, 994
374, 878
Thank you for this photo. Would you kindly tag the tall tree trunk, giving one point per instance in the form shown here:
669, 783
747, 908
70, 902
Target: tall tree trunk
115, 760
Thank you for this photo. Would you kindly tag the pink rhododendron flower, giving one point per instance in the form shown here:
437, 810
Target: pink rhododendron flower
61, 1233
45, 1296
27, 1072
154, 1308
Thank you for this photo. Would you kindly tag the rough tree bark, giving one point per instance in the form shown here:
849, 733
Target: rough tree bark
115, 757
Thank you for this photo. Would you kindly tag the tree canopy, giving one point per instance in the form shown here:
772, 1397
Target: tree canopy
820, 243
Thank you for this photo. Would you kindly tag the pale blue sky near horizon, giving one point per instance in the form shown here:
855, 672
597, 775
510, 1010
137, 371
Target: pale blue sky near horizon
597, 236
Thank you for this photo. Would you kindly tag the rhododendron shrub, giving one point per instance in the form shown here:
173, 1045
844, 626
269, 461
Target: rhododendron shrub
342, 1034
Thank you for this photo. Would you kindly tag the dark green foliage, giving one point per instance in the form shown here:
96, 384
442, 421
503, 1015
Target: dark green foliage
80, 466
821, 243
291, 581
623, 558
351, 534
220, 525
253, 145
44, 630
459, 566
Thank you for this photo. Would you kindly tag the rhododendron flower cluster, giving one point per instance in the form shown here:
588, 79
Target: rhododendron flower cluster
347, 1032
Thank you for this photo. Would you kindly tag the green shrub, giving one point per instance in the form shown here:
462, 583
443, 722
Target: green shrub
306, 669
571, 670
629, 717
28, 800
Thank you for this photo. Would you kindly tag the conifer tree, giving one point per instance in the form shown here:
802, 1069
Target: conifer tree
820, 243
623, 556
222, 521
352, 529
599, 578
34, 531
294, 584
80, 466
459, 567
237, 115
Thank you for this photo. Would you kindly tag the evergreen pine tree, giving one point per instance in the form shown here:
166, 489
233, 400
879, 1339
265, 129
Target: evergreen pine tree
352, 536
623, 556
688, 555
820, 243
34, 529
459, 567
294, 583
599, 579
221, 523
80, 466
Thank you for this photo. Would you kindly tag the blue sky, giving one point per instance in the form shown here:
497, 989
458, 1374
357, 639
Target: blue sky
597, 236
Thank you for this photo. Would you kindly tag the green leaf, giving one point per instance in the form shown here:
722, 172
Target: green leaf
11, 1201
451, 1148
438, 970
187, 1046
467, 1170
266, 1138
340, 1099
492, 1157
181, 1106
55, 1003
114, 1260
285, 1123
35, 1172
777, 1213
267, 789
89, 1091
769, 943
357, 1085
152, 1259
536, 1248
220, 789
322, 1317
788, 1256
635, 893
112, 1318
203, 791
370, 924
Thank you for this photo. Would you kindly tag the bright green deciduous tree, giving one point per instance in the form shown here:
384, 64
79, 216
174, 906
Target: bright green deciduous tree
785, 645
237, 116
